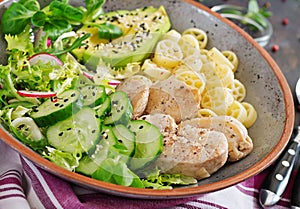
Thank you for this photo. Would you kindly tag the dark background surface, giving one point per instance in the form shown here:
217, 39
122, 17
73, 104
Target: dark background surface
286, 37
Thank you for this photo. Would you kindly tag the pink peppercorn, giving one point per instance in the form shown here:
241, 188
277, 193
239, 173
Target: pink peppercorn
285, 21
275, 48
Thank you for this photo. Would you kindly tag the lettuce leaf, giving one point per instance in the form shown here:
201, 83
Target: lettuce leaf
63, 159
157, 180
21, 42
116, 171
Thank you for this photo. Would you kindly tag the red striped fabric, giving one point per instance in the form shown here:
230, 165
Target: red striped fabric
23, 185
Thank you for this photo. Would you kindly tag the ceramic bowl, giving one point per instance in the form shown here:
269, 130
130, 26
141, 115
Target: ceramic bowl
267, 90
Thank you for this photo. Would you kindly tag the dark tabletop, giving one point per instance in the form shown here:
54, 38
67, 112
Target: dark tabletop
285, 36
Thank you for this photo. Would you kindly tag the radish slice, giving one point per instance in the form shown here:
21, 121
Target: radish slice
114, 83
45, 58
36, 94
48, 42
88, 75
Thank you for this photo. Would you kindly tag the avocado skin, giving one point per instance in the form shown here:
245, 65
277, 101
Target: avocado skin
135, 45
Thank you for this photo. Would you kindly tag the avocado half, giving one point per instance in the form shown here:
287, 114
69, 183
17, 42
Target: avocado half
141, 28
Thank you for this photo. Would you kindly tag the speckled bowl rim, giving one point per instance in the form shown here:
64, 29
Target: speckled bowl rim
178, 192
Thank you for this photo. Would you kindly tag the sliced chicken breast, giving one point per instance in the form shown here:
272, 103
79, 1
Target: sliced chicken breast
165, 123
195, 152
137, 89
239, 143
174, 98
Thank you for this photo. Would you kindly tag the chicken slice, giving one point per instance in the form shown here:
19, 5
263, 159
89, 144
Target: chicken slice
137, 89
195, 152
174, 98
239, 143
165, 123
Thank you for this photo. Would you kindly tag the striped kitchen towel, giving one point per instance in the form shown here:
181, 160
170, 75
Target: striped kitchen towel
25, 186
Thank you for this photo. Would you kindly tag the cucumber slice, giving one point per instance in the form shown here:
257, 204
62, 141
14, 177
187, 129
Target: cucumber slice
90, 163
103, 109
83, 81
57, 109
93, 95
121, 109
76, 134
108, 135
28, 132
149, 143
27, 128
126, 138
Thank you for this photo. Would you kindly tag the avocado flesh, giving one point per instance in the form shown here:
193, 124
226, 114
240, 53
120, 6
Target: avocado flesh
141, 28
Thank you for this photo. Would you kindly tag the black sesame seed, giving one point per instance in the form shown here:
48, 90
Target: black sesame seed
61, 133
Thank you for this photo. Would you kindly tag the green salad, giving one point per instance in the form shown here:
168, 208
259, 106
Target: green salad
58, 96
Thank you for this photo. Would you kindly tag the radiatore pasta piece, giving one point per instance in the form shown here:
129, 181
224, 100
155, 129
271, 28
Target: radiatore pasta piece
199, 34
167, 54
217, 99
216, 56
204, 112
195, 80
251, 114
238, 111
238, 90
189, 45
231, 56
155, 72
172, 35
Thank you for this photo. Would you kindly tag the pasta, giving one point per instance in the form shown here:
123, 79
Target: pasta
199, 34
193, 62
251, 114
167, 54
155, 72
216, 56
195, 80
172, 35
217, 99
238, 111
231, 56
204, 112
210, 73
189, 45
238, 90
